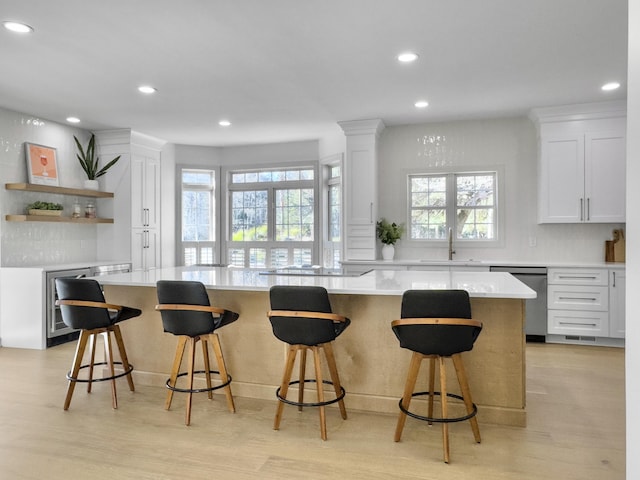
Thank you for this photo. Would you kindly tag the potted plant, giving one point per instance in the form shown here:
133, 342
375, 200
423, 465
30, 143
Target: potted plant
44, 208
389, 234
89, 162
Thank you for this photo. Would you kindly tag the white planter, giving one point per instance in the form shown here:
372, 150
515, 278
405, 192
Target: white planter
91, 185
388, 251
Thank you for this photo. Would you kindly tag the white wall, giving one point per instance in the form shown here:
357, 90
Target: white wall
39, 243
633, 246
508, 144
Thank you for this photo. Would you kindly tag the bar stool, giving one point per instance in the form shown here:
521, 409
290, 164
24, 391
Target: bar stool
437, 324
301, 317
186, 312
83, 307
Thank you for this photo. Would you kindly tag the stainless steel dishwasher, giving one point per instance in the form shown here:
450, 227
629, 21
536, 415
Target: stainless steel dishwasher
536, 308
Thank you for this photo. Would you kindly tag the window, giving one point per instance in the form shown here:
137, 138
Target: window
197, 216
464, 202
272, 216
333, 243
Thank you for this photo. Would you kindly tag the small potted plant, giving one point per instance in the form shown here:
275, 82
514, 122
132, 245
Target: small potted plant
389, 234
89, 162
44, 208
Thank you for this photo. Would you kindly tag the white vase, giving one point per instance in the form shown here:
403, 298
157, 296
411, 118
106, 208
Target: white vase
388, 251
91, 185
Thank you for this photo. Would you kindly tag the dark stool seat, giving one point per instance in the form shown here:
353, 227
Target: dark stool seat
187, 313
302, 318
437, 324
83, 307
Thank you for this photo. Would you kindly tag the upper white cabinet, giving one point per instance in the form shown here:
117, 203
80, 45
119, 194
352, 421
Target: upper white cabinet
582, 163
361, 188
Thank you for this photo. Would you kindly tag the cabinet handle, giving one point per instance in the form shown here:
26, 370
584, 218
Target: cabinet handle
582, 209
577, 298
580, 324
146, 217
570, 277
588, 209
614, 279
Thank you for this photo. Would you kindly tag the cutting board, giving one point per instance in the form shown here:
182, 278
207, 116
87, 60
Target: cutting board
614, 250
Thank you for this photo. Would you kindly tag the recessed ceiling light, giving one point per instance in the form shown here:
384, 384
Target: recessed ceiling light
73, 120
421, 104
407, 57
224, 123
17, 27
610, 86
147, 89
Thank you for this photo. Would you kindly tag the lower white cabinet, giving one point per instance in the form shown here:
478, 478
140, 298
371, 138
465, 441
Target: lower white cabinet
145, 251
585, 302
617, 286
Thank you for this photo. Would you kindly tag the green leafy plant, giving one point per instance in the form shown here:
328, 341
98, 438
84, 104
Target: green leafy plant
89, 161
389, 233
44, 206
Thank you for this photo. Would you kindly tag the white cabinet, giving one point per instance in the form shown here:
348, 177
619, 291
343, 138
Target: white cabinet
617, 285
578, 302
145, 207
582, 164
361, 188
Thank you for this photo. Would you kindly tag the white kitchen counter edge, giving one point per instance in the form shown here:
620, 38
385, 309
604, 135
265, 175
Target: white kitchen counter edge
376, 282
482, 263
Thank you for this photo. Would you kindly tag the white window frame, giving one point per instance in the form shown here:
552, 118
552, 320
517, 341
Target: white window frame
215, 211
451, 174
331, 248
271, 243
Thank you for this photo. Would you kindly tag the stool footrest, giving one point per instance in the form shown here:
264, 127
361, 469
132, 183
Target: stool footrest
197, 390
307, 404
101, 379
439, 420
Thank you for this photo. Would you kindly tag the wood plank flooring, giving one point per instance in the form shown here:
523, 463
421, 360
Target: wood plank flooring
576, 430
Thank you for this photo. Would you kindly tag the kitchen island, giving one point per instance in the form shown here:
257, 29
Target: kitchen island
371, 363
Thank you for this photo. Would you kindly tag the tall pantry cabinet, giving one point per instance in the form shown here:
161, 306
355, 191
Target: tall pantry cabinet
136, 187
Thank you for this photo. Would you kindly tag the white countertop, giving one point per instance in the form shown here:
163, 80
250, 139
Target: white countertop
376, 282
483, 263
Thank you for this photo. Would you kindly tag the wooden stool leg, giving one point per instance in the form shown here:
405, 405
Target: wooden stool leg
191, 365
286, 378
77, 363
207, 365
412, 376
175, 369
123, 355
92, 359
444, 404
335, 378
320, 389
222, 366
466, 393
108, 349
301, 376
432, 381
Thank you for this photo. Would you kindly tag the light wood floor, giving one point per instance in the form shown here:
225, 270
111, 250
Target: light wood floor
576, 430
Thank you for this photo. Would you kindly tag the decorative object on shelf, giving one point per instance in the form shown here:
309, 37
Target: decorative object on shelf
90, 210
614, 250
77, 209
89, 162
389, 234
42, 165
45, 208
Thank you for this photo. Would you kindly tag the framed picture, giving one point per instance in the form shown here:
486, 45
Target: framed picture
42, 164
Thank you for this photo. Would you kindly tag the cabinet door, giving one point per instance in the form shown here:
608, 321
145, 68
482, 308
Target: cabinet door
145, 250
605, 169
561, 183
618, 283
576, 322
145, 191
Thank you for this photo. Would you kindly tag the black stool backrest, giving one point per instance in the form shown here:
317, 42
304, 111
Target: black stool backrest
303, 330
184, 322
83, 318
442, 340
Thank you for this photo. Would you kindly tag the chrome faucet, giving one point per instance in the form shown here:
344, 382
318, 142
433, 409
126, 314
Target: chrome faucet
451, 250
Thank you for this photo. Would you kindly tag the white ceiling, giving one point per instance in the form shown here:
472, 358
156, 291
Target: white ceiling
284, 70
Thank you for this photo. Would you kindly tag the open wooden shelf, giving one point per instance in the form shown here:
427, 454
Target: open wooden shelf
46, 218
80, 192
